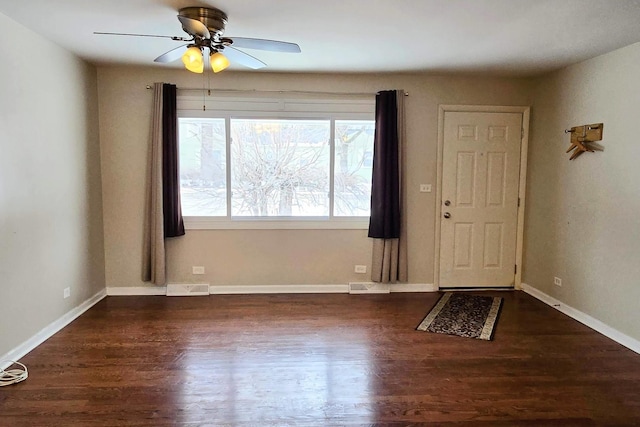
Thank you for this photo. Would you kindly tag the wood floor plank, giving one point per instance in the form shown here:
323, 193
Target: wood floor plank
320, 360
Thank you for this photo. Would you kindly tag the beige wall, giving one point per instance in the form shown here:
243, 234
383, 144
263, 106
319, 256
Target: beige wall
582, 216
261, 257
51, 233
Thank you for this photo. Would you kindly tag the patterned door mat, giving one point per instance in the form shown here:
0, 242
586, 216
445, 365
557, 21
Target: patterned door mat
463, 314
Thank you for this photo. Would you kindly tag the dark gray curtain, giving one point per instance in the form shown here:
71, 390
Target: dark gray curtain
387, 225
385, 198
172, 210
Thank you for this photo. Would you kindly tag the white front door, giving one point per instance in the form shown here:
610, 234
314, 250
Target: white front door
479, 212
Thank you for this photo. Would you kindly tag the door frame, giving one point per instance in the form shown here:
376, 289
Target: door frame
524, 143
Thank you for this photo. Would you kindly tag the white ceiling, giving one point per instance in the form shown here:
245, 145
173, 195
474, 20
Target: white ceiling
516, 37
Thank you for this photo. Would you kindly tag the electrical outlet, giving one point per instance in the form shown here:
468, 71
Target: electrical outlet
360, 269
66, 293
197, 269
557, 281
425, 188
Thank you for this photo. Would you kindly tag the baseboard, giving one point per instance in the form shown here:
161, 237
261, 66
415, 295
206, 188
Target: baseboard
593, 323
273, 289
278, 289
385, 288
48, 331
413, 287
136, 290
230, 289
357, 288
187, 289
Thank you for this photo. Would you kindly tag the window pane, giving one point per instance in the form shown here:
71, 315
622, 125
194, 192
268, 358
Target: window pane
279, 167
353, 166
203, 159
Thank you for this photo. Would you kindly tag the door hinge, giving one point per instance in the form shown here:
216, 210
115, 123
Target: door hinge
515, 269
522, 133
518, 201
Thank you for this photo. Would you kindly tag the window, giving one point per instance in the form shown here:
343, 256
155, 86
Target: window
203, 176
270, 162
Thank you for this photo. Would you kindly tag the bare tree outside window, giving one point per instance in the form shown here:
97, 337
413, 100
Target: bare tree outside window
354, 155
279, 167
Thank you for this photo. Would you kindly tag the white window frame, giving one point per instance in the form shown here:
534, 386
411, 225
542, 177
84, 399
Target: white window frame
234, 105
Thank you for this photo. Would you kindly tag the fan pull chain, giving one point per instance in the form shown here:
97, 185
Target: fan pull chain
204, 101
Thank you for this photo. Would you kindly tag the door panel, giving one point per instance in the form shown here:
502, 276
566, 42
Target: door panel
480, 178
465, 179
496, 179
463, 245
493, 244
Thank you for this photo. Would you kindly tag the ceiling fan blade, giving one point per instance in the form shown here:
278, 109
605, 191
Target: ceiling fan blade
141, 35
194, 27
172, 55
235, 55
264, 44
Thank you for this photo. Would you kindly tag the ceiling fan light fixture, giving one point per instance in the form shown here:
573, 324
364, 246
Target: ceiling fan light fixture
193, 59
205, 27
218, 62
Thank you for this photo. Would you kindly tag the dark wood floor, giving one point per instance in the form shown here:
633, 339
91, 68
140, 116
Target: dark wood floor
320, 360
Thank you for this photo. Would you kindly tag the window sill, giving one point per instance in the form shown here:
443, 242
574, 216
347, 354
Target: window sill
212, 223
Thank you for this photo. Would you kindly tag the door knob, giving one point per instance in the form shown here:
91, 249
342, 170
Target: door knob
447, 215
447, 202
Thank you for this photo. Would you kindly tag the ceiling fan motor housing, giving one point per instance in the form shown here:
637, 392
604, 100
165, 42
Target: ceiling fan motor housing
214, 19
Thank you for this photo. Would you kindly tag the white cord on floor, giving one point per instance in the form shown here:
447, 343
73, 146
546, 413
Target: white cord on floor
12, 376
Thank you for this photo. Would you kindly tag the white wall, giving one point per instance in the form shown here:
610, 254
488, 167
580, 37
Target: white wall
51, 233
583, 216
265, 257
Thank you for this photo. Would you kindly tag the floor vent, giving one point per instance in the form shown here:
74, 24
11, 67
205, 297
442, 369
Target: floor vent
187, 290
368, 288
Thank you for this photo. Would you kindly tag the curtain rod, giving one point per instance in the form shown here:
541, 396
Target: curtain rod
279, 91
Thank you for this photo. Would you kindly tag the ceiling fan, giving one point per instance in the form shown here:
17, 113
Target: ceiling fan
205, 27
